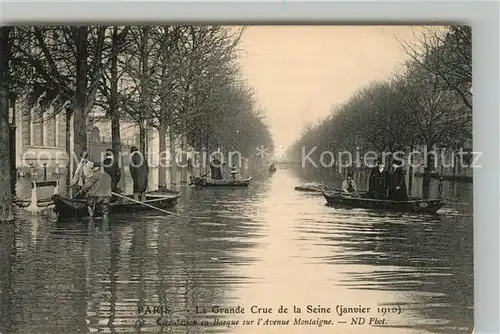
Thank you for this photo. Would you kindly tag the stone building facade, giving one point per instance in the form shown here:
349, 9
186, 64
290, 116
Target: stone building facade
40, 140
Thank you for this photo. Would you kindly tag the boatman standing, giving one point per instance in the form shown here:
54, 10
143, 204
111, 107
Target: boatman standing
82, 173
216, 169
98, 191
139, 170
112, 167
235, 173
379, 180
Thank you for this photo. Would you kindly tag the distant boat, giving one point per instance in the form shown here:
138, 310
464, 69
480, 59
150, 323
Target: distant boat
313, 188
205, 182
337, 199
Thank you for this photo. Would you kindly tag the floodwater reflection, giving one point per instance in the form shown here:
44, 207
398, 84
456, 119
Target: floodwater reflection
266, 246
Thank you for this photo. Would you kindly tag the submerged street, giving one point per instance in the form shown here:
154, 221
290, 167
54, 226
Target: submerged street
263, 246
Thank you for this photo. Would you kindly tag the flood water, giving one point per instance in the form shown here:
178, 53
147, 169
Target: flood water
267, 246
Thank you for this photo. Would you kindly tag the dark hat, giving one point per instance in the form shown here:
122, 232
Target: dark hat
397, 162
133, 149
350, 174
96, 164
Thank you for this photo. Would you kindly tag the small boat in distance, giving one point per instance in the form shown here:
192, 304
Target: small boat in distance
337, 199
66, 207
309, 189
313, 188
205, 182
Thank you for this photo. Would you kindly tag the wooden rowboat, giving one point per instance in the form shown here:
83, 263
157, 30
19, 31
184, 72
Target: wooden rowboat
204, 182
77, 208
416, 205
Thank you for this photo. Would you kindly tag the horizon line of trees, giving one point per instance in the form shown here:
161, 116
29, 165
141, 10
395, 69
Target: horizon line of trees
184, 82
427, 104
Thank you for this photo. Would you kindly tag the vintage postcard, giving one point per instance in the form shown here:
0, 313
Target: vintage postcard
230, 179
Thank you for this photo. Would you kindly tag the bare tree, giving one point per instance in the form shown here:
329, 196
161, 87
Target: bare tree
67, 63
108, 97
436, 115
447, 55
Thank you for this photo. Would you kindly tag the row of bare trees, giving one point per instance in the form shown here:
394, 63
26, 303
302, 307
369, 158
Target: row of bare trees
182, 81
428, 103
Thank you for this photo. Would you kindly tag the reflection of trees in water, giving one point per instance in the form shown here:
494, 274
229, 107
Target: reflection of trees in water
74, 276
179, 263
432, 257
7, 253
47, 280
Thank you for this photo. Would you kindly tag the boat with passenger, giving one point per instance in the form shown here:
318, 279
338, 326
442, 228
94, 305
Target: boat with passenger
339, 199
207, 182
66, 207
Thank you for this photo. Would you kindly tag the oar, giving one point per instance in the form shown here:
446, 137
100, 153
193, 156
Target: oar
147, 205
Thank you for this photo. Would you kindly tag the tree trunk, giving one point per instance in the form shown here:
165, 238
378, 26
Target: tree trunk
173, 160
142, 137
5, 180
68, 144
162, 170
116, 141
410, 171
143, 90
184, 170
80, 108
426, 182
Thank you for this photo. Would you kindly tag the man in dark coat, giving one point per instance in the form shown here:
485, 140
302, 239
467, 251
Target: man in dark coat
397, 184
139, 171
112, 167
379, 182
216, 169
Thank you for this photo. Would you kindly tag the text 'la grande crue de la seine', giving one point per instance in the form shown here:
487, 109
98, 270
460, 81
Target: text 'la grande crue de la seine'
282, 315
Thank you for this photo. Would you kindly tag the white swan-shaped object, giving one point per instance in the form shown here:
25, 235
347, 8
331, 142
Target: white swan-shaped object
33, 207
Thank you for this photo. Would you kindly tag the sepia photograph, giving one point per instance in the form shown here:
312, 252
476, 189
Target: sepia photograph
236, 179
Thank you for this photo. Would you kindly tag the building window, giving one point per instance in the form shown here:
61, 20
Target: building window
31, 127
57, 126
51, 133
37, 123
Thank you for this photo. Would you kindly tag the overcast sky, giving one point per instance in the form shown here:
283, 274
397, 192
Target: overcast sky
299, 72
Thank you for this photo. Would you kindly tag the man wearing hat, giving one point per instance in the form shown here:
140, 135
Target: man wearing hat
397, 185
139, 170
82, 173
349, 185
98, 191
379, 181
112, 167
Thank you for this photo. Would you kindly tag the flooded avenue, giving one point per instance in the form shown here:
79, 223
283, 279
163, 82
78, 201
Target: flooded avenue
267, 246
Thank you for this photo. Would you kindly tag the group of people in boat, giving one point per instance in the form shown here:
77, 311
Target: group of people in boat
221, 171
97, 182
383, 184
